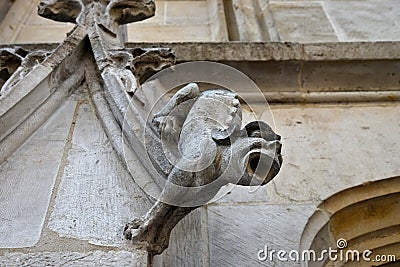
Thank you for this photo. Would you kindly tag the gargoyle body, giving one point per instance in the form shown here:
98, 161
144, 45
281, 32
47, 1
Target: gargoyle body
202, 138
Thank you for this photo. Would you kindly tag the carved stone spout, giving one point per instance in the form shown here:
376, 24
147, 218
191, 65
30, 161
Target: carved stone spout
202, 138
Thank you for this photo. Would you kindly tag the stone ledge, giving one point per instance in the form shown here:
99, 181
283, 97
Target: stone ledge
267, 51
325, 97
272, 51
302, 68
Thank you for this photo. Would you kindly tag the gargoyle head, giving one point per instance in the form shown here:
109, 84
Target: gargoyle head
263, 159
203, 132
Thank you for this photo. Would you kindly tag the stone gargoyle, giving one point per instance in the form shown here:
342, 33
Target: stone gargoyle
202, 137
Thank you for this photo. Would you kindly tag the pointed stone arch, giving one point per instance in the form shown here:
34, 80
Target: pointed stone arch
367, 217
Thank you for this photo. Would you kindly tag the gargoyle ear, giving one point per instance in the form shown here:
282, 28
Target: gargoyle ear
261, 129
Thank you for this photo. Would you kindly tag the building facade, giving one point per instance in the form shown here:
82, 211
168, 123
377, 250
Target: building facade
328, 70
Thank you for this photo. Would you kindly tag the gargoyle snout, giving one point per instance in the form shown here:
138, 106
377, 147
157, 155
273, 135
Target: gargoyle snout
261, 165
263, 160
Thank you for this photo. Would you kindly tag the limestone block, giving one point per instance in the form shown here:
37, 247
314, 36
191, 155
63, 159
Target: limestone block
328, 148
43, 34
237, 233
93, 258
168, 33
23, 25
181, 21
27, 179
186, 249
350, 76
271, 76
247, 21
96, 196
242, 194
302, 22
186, 12
365, 20
14, 19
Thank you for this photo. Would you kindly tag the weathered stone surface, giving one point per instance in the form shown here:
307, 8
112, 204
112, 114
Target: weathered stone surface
21, 24
96, 196
27, 179
33, 94
234, 51
93, 258
182, 21
237, 233
347, 144
212, 51
187, 249
302, 23
4, 6
203, 140
365, 20
244, 194
354, 76
308, 21
247, 21
146, 63
270, 76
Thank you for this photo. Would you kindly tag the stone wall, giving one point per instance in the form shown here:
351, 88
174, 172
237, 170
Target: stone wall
235, 20
65, 193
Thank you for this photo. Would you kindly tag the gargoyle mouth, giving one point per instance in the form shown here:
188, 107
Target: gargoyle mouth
263, 161
261, 165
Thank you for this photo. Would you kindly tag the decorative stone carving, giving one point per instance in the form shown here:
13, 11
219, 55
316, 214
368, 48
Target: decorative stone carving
10, 60
195, 141
15, 63
60, 10
208, 149
121, 11
100, 19
143, 63
147, 62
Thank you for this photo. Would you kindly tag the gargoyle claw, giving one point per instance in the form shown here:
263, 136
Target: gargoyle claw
132, 228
